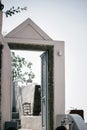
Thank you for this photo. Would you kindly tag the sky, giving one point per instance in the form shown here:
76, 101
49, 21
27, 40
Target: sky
63, 20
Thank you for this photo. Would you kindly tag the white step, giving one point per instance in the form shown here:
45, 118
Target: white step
24, 129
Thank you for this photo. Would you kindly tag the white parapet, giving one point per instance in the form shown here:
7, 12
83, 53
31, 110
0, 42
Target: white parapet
31, 122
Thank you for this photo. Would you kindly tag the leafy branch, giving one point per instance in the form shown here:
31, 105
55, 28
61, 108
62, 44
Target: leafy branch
18, 64
13, 11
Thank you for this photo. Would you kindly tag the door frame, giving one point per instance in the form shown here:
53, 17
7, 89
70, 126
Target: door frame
50, 49
44, 89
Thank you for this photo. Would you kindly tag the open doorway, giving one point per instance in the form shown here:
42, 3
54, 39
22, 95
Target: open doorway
26, 88
48, 118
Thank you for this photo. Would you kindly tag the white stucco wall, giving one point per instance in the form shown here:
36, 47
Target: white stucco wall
59, 76
59, 80
6, 85
20, 37
24, 93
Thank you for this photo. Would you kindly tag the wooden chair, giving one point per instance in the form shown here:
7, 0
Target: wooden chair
27, 109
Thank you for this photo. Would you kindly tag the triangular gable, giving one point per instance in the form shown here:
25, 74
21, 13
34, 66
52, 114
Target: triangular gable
28, 29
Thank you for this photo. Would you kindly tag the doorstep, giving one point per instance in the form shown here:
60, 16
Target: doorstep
24, 129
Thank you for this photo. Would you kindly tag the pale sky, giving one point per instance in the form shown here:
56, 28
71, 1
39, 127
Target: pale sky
64, 20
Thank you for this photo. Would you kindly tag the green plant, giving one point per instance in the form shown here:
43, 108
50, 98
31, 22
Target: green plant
12, 11
21, 69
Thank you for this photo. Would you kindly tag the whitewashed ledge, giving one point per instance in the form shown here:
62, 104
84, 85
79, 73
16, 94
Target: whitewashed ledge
31, 123
24, 129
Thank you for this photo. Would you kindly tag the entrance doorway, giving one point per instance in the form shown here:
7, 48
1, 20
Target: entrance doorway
46, 81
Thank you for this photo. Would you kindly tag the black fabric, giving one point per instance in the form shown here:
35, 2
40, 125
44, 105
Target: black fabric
11, 128
37, 101
61, 128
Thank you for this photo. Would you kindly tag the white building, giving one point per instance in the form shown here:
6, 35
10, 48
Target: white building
28, 36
